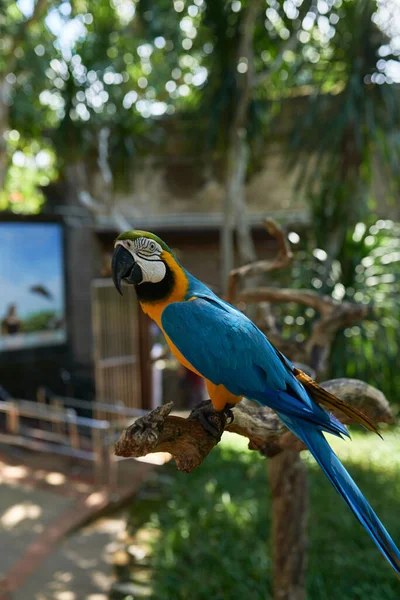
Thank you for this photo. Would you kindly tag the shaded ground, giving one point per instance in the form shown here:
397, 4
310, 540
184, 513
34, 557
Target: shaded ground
24, 514
42, 499
80, 567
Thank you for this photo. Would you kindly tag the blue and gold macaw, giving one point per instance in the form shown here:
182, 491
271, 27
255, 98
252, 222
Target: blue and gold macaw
219, 343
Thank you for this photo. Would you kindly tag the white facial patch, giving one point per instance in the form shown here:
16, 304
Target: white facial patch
152, 271
147, 254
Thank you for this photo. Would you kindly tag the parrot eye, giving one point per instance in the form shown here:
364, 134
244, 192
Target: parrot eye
152, 246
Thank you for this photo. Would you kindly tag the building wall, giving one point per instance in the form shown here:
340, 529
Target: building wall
177, 187
176, 182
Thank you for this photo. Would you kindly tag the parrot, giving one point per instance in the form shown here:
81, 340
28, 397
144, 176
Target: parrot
222, 345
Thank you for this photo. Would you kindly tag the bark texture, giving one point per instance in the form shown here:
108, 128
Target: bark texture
234, 208
189, 443
288, 474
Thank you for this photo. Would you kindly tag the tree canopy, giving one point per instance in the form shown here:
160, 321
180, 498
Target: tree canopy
102, 83
67, 70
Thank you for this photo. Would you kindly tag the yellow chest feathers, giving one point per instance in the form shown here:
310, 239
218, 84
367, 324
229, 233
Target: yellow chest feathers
155, 308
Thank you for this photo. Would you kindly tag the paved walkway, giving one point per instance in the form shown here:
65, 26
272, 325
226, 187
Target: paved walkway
40, 559
24, 515
80, 568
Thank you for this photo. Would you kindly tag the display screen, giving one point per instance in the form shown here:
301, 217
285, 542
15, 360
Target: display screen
32, 302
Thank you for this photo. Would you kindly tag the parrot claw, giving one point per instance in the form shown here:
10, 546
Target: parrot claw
209, 427
210, 419
228, 413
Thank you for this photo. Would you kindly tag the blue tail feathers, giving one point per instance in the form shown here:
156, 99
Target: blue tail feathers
344, 484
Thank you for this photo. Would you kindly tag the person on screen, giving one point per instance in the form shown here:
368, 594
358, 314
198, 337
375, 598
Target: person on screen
11, 324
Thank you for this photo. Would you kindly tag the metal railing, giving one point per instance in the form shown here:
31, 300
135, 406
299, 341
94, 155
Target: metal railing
56, 428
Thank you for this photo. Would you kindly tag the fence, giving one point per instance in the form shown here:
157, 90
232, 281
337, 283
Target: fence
57, 428
116, 342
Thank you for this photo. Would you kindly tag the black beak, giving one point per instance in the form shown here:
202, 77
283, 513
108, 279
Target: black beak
123, 266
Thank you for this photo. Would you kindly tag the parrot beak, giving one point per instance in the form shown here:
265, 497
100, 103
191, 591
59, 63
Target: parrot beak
123, 266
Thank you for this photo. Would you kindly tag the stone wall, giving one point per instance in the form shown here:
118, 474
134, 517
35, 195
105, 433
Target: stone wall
165, 189
185, 190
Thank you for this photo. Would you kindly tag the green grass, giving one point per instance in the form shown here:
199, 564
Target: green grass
212, 528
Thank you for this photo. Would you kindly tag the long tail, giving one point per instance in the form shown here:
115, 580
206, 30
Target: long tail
344, 484
321, 396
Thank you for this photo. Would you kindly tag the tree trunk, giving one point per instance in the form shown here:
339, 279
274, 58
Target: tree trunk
227, 248
247, 251
289, 487
234, 208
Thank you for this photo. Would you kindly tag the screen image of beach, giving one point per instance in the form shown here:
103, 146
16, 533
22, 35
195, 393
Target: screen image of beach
32, 304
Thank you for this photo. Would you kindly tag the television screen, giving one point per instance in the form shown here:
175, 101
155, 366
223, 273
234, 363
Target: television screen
32, 304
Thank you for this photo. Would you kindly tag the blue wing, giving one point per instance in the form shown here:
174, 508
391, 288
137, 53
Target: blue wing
227, 348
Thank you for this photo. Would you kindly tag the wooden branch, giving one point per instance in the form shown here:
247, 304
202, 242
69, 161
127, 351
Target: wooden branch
189, 443
334, 315
322, 304
158, 431
341, 316
317, 347
282, 260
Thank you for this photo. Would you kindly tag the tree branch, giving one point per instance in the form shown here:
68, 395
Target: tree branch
334, 315
322, 304
189, 443
282, 260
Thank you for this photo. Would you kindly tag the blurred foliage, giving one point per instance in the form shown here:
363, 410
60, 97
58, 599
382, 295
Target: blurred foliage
351, 121
73, 69
351, 128
25, 47
213, 543
32, 166
368, 272
39, 321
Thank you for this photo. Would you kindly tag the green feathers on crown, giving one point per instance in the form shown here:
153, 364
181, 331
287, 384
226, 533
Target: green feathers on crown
134, 234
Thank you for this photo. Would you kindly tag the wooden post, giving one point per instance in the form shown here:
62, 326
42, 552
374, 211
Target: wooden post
97, 449
145, 360
13, 418
58, 407
73, 432
289, 487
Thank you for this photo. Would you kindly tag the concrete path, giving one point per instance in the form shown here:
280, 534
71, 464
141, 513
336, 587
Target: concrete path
46, 553
80, 568
24, 515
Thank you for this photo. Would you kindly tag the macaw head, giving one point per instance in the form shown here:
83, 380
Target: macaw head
142, 259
